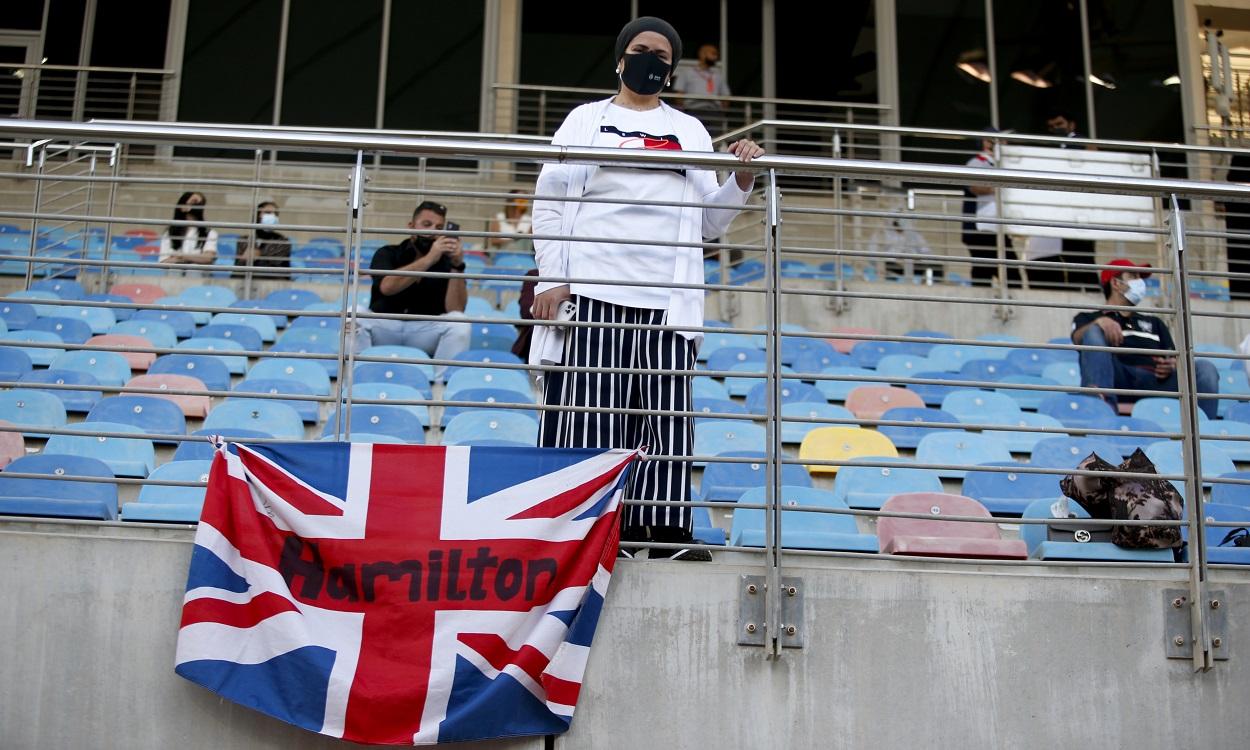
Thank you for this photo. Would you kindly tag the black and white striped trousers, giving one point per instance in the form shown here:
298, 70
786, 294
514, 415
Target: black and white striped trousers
663, 435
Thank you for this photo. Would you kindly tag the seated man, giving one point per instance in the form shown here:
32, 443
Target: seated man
1133, 331
417, 295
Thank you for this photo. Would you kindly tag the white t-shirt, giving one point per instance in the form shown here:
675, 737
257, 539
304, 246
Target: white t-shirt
656, 220
987, 207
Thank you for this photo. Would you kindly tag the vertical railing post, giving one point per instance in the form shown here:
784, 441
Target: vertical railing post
347, 312
772, 515
114, 171
130, 96
258, 159
1190, 448
839, 232
1004, 311
34, 222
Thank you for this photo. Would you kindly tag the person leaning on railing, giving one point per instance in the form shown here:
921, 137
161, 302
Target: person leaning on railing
633, 118
272, 249
189, 245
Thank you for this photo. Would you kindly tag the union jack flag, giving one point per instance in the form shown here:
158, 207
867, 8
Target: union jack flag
397, 594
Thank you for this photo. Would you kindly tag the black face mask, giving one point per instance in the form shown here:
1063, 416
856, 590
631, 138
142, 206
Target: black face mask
423, 243
645, 73
1059, 130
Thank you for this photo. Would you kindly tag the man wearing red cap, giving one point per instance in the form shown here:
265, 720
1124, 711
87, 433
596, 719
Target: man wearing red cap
1116, 328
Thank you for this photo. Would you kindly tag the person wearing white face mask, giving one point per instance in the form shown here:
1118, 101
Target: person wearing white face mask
1128, 329
271, 249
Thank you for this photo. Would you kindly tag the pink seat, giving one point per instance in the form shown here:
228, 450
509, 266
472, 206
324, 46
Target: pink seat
871, 401
144, 294
119, 341
845, 345
12, 445
192, 406
935, 538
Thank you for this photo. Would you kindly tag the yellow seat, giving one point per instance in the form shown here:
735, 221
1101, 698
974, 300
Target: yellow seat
842, 444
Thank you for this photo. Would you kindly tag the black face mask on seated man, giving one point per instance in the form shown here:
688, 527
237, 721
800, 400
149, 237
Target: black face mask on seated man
645, 73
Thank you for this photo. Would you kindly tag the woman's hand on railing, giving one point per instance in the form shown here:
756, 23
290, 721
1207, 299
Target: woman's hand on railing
746, 150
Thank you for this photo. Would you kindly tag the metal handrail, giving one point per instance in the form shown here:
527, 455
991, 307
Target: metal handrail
598, 92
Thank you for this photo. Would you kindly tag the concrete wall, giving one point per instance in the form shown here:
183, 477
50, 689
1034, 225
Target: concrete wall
898, 654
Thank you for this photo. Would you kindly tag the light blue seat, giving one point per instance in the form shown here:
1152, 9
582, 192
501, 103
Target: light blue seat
126, 457
792, 392
200, 317
263, 324
62, 288
1165, 412
868, 354
725, 482
909, 436
1063, 373
70, 330
1232, 494
903, 365
415, 376
31, 409
405, 355
715, 437
234, 365
801, 529
17, 315
181, 321
245, 336
304, 371
1224, 554
933, 394
208, 296
308, 410
323, 323
952, 357
40, 356
326, 344
381, 420
992, 370
981, 407
14, 363
394, 392
162, 335
119, 313
717, 406
493, 336
704, 532
838, 390
152, 415
922, 333
716, 340
816, 360
210, 370
264, 415
1167, 457
793, 430
168, 504
485, 356
293, 299
1067, 452
202, 449
478, 307
1009, 493
726, 357
870, 486
1220, 362
1022, 439
365, 437
490, 424
109, 368
701, 386
278, 319
1046, 542
489, 396
43, 311
1125, 443
958, 448
741, 385
1076, 410
1237, 450
817, 353
1026, 399
57, 497
487, 377
1035, 361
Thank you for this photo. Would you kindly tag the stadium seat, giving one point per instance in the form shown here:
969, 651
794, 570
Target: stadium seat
293, 299
61, 498
870, 486
12, 444
168, 504
14, 363
210, 370
1237, 450
127, 457
701, 386
792, 392
154, 416
308, 410
1063, 373
815, 353
183, 323
957, 448
953, 357
812, 362
263, 415
1218, 553
480, 425
1063, 542
486, 356
870, 402
838, 390
97, 319
753, 375
1021, 439
727, 357
716, 340
1232, 494
380, 420
120, 342
161, 335
940, 538
411, 375
1009, 493
475, 377
843, 444
305, 371
1067, 452
17, 315
800, 529
922, 333
144, 294
725, 482
1076, 410
868, 354
62, 288
714, 437
490, 396
234, 365
1035, 361
1165, 412
312, 328
1126, 444
41, 347
41, 310
263, 324
70, 330
703, 531
903, 365
992, 370
845, 345
202, 448
910, 435
191, 405
73, 400
395, 392
208, 296
717, 406
277, 319
31, 409
245, 336
1024, 398
1168, 458
793, 431
493, 336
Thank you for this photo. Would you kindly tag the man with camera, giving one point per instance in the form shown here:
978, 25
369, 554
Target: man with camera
442, 296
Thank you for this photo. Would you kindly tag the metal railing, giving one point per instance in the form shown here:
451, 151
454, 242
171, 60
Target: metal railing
76, 92
760, 307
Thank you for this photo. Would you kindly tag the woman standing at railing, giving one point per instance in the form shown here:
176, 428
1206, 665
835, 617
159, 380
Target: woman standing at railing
193, 245
638, 248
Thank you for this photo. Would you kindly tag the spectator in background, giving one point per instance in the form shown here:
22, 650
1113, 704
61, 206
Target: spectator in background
190, 245
1237, 220
515, 218
443, 296
1062, 124
271, 249
899, 236
982, 238
704, 78
1115, 328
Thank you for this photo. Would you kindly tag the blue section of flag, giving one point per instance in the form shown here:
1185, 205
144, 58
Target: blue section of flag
582, 629
494, 468
565, 616
291, 687
210, 570
481, 707
322, 466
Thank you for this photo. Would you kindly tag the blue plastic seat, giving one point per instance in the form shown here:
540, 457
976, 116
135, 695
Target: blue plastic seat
1063, 373
264, 415
1126, 444
701, 386
741, 385
411, 375
162, 335
98, 319
305, 371
278, 320
1035, 361
725, 482
245, 336
909, 436
716, 437
794, 430
182, 322
1168, 458
404, 354
953, 357
31, 409
923, 333
716, 340
934, 393
1237, 450
838, 390
1225, 554
234, 365
1067, 452
61, 498
704, 532
263, 324
309, 411
817, 353
486, 356
17, 315
801, 529
726, 357
903, 365
119, 313
14, 363
980, 407
1165, 412
1238, 411
1009, 493
210, 370
870, 486
490, 424
1232, 494
367, 437
488, 395
209, 295
1076, 410
792, 392
40, 309
1047, 542
481, 377
62, 288
816, 360
493, 336
381, 420
1021, 439
127, 457
321, 323
154, 416
200, 449
868, 354
70, 330
394, 392
717, 406
293, 299
955, 447
164, 503
1026, 399
992, 370
42, 355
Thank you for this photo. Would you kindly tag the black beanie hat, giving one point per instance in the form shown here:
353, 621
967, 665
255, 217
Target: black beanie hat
648, 23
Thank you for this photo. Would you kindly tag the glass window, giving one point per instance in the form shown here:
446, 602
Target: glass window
234, 41
434, 70
1132, 54
827, 51
1040, 65
584, 34
331, 73
943, 73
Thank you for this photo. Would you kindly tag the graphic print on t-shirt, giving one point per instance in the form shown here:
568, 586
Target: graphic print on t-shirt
631, 139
